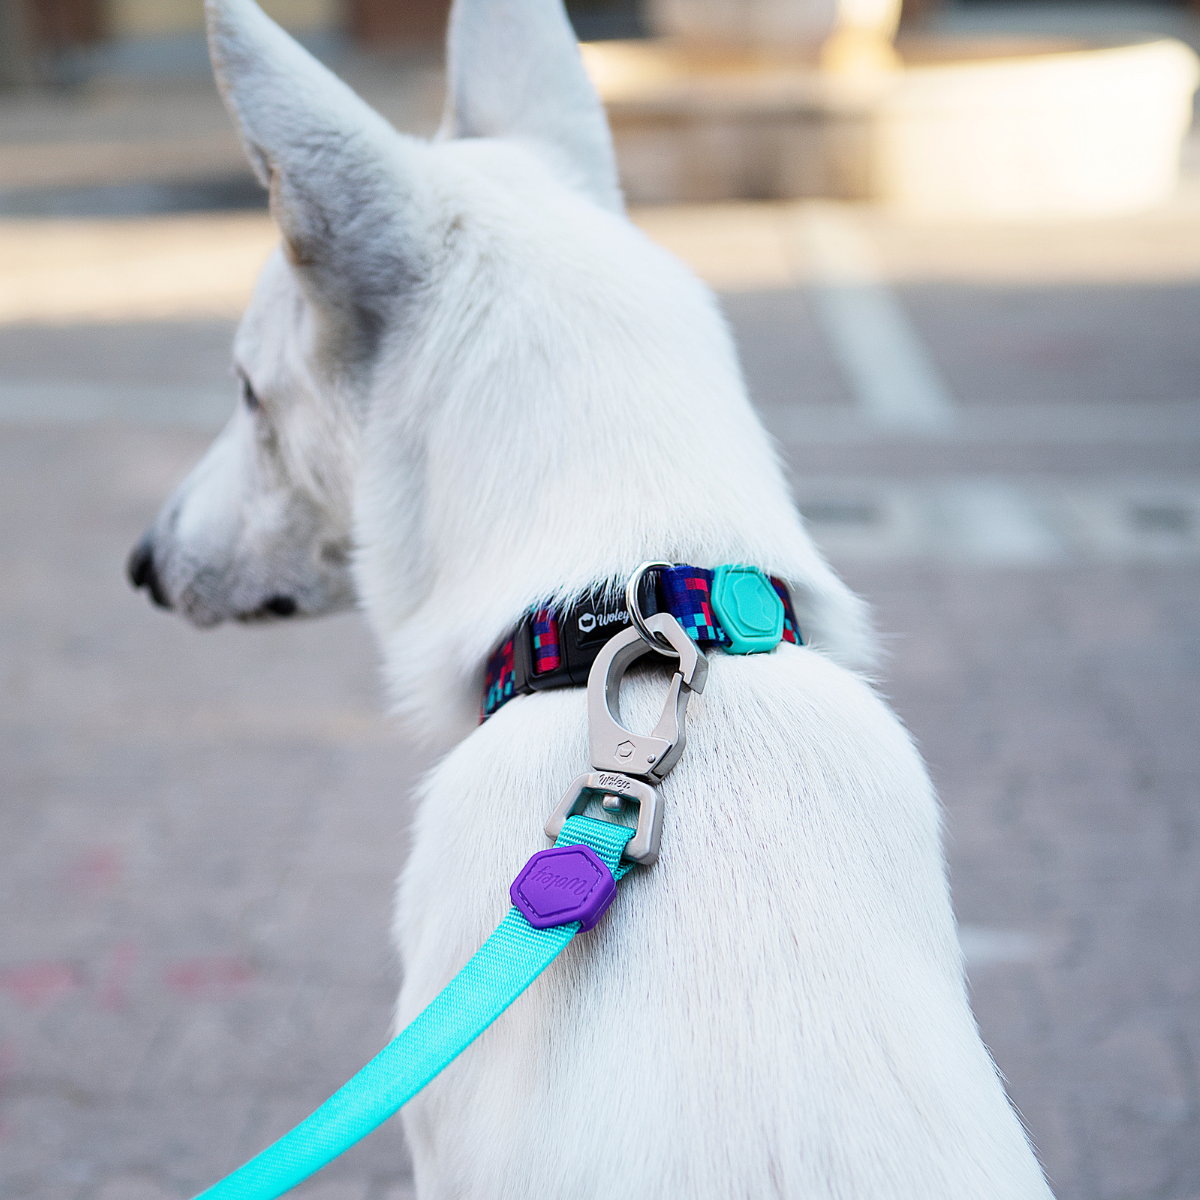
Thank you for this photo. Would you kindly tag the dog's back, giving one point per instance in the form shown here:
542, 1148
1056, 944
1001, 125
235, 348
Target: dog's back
776, 1008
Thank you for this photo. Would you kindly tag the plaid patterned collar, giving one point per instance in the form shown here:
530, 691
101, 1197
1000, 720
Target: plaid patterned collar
552, 649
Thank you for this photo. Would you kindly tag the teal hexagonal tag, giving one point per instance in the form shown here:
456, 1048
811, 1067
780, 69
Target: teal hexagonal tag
749, 609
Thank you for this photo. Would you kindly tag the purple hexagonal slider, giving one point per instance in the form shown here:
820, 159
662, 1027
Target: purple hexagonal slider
561, 885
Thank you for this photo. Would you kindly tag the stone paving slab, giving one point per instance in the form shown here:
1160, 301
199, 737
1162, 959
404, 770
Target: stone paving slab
1132, 343
1058, 712
784, 356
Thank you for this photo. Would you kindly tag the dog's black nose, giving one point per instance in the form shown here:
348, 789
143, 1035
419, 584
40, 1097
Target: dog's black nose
140, 564
140, 569
281, 606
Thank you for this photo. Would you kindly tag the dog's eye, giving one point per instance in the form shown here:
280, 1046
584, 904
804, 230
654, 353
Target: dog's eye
248, 397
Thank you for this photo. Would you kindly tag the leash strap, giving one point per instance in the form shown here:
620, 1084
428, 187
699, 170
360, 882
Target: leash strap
503, 967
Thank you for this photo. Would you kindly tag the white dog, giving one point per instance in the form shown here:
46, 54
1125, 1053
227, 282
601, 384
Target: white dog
471, 385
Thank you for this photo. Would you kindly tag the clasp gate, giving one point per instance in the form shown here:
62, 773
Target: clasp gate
627, 763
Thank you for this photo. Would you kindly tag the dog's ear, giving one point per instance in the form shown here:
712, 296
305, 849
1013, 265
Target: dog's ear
514, 70
340, 177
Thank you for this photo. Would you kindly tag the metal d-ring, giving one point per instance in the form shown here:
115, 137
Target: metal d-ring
655, 640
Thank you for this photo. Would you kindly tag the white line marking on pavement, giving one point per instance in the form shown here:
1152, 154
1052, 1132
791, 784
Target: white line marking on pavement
997, 523
983, 947
892, 376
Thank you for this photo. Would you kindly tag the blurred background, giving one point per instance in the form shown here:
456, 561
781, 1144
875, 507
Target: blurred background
959, 246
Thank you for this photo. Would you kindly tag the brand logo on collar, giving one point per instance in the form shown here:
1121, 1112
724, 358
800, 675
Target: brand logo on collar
593, 622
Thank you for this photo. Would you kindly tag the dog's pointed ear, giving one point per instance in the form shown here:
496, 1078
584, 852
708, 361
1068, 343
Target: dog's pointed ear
338, 174
514, 70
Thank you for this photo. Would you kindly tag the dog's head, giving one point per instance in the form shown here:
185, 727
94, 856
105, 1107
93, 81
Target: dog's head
263, 526
468, 382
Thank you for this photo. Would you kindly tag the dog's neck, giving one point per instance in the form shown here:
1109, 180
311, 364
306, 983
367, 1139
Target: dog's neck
572, 406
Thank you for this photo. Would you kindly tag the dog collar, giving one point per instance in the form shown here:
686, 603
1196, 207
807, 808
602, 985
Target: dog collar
741, 609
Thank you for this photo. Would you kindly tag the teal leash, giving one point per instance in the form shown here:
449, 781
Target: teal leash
503, 967
558, 892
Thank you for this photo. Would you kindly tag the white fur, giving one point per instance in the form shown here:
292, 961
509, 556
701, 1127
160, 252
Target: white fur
512, 394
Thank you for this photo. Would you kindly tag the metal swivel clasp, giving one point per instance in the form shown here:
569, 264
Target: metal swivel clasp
625, 763
615, 748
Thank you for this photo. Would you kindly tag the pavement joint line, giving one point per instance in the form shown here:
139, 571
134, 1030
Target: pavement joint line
1072, 423
985, 522
894, 379
72, 404
1134, 422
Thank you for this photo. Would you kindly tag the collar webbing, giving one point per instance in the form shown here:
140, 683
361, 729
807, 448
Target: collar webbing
552, 649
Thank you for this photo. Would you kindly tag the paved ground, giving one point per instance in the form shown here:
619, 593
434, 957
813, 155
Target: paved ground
199, 832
